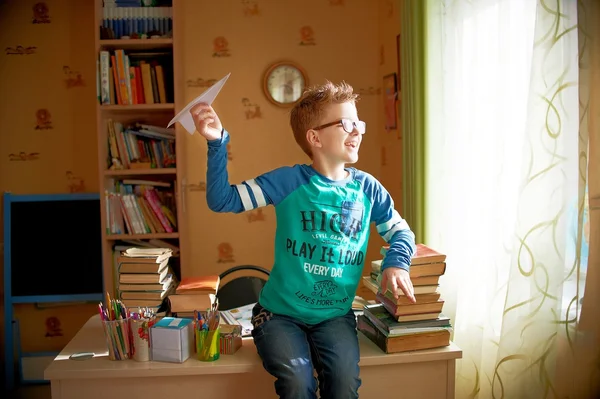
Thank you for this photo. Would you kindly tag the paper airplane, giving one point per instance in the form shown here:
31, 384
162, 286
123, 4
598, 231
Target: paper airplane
185, 117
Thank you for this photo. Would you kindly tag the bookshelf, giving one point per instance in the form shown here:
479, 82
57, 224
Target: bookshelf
148, 158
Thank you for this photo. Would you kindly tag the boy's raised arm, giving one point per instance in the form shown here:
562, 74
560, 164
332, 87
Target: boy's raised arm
267, 189
221, 196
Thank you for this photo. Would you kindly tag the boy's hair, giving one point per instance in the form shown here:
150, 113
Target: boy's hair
311, 107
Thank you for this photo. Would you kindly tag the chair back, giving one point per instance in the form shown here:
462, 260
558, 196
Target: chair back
243, 289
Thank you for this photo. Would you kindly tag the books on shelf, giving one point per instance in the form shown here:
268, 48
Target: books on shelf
136, 93
139, 146
140, 209
397, 324
136, 19
135, 77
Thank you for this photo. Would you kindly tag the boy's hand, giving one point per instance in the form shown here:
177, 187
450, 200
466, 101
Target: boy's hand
206, 121
399, 279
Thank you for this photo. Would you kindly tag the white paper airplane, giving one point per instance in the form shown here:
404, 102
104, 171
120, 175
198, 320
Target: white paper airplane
185, 117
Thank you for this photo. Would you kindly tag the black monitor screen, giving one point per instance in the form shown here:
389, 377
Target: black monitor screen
55, 247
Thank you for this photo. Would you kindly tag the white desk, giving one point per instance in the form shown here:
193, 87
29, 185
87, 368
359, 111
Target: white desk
421, 374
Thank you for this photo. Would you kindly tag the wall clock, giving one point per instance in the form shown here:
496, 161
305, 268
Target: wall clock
284, 82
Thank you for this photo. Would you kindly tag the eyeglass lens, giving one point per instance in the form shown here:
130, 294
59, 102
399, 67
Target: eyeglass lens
348, 126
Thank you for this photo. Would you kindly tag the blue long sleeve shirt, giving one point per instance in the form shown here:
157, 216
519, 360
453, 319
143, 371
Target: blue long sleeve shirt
322, 232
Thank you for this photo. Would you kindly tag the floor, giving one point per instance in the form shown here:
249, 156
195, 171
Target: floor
32, 392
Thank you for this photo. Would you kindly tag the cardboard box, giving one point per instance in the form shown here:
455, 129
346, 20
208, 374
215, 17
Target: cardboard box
172, 340
230, 339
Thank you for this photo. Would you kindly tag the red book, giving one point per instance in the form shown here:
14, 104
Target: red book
199, 285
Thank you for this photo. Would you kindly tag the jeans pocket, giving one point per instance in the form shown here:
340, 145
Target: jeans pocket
350, 317
260, 316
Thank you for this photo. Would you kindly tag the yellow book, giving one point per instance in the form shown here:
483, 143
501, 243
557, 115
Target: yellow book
123, 76
160, 82
147, 82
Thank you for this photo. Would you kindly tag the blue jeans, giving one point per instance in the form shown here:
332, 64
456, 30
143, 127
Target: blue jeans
292, 351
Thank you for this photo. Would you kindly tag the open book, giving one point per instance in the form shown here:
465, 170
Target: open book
240, 316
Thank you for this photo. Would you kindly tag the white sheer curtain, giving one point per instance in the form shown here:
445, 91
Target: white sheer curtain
505, 185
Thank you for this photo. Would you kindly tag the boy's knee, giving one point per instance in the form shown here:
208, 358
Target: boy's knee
343, 383
348, 381
298, 382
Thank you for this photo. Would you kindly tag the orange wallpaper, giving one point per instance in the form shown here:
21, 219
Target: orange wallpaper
47, 116
47, 134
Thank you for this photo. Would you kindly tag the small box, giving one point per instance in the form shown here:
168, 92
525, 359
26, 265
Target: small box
172, 340
231, 338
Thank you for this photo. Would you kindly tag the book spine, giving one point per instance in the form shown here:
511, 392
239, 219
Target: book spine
376, 336
104, 77
154, 202
123, 208
122, 76
375, 320
115, 74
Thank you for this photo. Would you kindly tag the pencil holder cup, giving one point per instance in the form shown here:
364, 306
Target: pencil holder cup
119, 342
140, 329
207, 344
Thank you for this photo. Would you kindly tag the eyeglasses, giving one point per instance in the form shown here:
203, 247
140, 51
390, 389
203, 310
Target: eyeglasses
347, 124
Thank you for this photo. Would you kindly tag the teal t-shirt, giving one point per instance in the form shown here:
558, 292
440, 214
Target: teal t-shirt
322, 232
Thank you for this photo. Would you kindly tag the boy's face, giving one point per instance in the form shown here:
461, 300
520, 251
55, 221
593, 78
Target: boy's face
335, 143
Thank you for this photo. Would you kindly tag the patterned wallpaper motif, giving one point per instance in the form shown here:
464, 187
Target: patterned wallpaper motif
251, 110
225, 253
40, 13
24, 156
43, 119
72, 78
250, 8
20, 50
307, 36
200, 82
221, 47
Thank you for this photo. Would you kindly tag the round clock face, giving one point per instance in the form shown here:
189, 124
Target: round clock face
284, 83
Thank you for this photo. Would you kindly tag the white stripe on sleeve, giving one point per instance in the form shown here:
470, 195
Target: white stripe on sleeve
400, 226
245, 196
258, 193
383, 227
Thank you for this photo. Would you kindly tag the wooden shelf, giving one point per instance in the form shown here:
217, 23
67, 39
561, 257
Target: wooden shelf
137, 107
140, 172
166, 52
135, 44
114, 237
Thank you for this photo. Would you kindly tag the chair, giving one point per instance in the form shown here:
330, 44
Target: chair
242, 290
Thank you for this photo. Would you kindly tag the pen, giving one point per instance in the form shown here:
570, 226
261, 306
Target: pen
101, 311
108, 306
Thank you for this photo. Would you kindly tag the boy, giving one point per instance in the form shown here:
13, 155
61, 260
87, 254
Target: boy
303, 320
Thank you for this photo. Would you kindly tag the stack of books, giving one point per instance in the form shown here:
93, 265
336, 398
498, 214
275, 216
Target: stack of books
145, 278
194, 294
397, 325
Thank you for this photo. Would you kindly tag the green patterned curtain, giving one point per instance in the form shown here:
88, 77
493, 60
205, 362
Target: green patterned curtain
514, 87
412, 111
